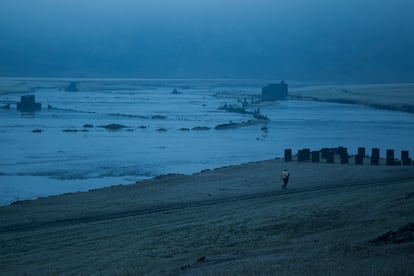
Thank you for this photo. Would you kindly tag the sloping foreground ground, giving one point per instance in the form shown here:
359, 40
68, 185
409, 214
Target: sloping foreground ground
333, 220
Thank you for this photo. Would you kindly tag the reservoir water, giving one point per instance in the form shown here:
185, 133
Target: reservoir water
63, 148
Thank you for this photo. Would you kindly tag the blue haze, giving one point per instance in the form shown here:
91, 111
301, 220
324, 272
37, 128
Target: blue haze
320, 40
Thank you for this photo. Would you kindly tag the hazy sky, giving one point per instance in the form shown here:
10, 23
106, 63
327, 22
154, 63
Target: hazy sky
321, 40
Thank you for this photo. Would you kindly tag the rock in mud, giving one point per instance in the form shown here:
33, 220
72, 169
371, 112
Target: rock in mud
200, 128
113, 126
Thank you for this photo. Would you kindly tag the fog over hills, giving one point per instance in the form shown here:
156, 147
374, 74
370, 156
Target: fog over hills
321, 40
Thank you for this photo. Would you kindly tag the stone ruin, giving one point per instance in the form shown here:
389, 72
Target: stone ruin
72, 87
27, 104
275, 91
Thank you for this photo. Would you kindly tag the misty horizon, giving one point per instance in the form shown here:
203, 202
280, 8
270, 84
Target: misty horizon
292, 40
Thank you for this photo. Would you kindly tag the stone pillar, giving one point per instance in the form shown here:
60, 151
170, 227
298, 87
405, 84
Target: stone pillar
361, 151
405, 159
300, 156
315, 156
375, 152
374, 160
359, 160
325, 152
330, 158
306, 154
288, 155
375, 156
344, 158
390, 157
343, 150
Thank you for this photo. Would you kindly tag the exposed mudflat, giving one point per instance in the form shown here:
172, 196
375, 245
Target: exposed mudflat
393, 96
332, 220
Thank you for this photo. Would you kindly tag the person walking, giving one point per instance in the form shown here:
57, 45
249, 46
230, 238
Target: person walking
285, 178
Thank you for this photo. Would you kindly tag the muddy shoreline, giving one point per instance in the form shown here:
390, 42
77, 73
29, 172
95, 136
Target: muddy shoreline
233, 220
393, 97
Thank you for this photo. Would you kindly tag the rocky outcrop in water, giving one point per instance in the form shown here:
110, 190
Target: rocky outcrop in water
242, 124
113, 126
159, 117
72, 87
200, 128
175, 92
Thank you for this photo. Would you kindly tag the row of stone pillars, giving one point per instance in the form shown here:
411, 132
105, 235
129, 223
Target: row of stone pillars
329, 155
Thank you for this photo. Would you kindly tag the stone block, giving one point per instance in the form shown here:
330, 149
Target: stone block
375, 152
288, 155
315, 156
330, 158
359, 159
374, 160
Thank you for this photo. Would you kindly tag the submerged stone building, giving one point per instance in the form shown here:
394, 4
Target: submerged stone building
275, 91
27, 104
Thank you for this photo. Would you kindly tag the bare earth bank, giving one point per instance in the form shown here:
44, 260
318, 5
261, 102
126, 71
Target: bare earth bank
333, 220
391, 96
